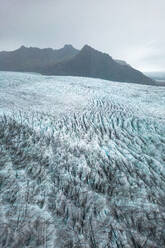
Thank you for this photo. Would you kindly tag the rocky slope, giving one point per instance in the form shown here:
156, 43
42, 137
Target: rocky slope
68, 61
34, 59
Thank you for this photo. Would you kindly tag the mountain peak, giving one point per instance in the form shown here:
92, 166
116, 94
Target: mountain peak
68, 46
90, 50
87, 48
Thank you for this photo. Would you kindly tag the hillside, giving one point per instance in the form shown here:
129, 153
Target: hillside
92, 63
34, 59
69, 61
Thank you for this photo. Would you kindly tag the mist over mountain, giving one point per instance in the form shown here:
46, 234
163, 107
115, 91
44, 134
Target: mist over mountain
157, 75
68, 61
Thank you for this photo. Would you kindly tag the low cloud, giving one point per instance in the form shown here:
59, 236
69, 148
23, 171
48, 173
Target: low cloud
129, 30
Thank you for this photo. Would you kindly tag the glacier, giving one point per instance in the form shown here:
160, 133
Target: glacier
82, 163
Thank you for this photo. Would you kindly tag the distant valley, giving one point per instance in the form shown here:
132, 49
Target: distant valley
159, 76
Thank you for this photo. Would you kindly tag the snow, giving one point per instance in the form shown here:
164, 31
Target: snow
63, 94
83, 158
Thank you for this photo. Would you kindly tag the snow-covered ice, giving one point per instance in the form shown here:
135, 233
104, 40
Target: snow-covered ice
82, 162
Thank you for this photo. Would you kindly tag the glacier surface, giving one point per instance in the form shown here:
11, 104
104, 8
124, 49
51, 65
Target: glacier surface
82, 163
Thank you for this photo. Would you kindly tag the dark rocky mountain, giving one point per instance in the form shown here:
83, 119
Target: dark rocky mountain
92, 63
34, 59
69, 61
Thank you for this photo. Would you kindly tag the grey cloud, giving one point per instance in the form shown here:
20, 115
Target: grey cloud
120, 28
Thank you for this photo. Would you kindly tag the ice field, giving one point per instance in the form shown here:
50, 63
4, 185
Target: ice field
82, 163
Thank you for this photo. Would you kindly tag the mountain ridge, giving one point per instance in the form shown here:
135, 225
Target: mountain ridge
92, 63
34, 59
68, 61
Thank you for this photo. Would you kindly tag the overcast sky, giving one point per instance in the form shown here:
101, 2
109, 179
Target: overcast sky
132, 30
